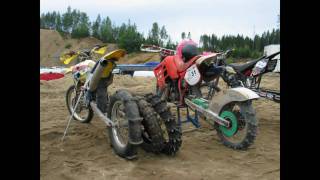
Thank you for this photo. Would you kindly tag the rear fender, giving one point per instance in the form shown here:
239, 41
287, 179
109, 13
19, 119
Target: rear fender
204, 58
239, 94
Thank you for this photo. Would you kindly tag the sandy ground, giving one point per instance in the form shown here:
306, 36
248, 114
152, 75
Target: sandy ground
86, 152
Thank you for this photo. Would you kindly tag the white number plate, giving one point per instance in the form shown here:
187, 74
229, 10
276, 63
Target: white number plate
193, 75
261, 64
259, 67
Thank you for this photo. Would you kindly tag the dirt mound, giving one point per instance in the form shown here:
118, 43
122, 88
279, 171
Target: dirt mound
140, 58
52, 45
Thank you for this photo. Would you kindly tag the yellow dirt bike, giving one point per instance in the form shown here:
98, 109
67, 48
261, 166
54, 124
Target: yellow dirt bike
83, 54
122, 118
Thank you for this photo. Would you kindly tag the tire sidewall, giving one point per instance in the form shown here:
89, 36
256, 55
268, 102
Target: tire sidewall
127, 151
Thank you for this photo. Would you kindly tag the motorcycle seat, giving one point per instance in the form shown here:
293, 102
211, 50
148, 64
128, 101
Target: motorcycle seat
245, 66
182, 66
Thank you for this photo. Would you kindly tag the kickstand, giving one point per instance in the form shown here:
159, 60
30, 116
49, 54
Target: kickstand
69, 121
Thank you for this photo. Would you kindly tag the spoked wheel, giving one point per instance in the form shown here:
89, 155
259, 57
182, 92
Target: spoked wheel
120, 131
243, 125
125, 133
82, 113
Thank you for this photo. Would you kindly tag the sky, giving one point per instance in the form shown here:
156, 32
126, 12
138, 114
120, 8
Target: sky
221, 17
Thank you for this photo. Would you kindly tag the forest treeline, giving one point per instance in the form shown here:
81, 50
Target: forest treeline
77, 24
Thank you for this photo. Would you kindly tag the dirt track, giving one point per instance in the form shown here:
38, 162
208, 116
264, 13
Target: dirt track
86, 153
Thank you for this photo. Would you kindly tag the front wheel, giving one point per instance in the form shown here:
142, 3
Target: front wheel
82, 113
243, 125
121, 109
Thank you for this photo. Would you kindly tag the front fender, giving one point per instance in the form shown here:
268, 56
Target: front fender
238, 94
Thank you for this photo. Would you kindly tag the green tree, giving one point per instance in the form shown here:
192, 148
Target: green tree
75, 18
43, 21
154, 35
276, 36
95, 27
49, 19
67, 20
205, 42
213, 42
115, 32
58, 23
163, 35
130, 39
183, 35
118, 31
81, 29
106, 31
278, 21
52, 20
170, 44
189, 35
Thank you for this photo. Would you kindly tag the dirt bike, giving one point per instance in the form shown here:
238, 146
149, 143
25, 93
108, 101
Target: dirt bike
249, 74
83, 54
122, 118
229, 112
164, 52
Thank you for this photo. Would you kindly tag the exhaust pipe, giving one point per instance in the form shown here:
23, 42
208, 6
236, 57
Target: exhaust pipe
96, 76
133, 116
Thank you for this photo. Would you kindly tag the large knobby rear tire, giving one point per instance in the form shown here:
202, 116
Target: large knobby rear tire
69, 103
122, 102
153, 140
248, 114
173, 144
